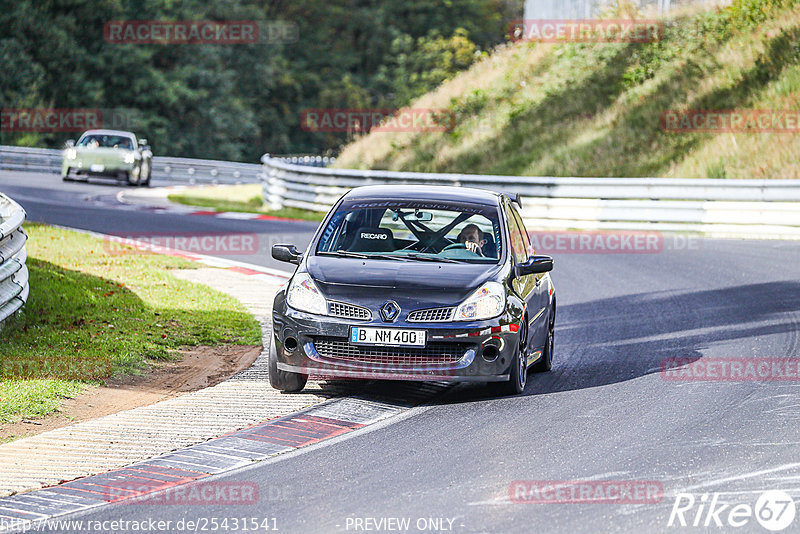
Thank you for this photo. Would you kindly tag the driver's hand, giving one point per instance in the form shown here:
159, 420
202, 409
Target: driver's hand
473, 247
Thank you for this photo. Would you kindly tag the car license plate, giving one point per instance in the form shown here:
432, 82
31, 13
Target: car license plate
395, 337
97, 168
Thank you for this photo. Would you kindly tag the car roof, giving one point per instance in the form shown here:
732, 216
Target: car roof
109, 132
424, 192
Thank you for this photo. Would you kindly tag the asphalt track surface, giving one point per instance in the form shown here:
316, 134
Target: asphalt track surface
94, 206
605, 412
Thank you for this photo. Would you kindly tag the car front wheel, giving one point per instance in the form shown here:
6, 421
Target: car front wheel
519, 369
284, 380
133, 176
144, 175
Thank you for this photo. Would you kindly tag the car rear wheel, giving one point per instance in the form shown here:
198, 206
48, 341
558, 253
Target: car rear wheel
284, 380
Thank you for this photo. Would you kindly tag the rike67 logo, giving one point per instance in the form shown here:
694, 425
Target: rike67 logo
774, 510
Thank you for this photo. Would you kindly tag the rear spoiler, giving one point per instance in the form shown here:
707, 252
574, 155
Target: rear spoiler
516, 198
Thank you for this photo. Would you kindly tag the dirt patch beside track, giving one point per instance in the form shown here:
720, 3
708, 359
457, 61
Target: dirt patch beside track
197, 368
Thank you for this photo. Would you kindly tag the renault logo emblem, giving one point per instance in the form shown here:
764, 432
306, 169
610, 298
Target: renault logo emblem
390, 311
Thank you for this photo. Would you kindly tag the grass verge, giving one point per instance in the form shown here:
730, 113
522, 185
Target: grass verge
242, 198
94, 311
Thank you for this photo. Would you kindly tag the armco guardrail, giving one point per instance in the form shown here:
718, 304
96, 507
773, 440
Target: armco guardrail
30, 159
14, 285
202, 171
754, 208
309, 160
191, 171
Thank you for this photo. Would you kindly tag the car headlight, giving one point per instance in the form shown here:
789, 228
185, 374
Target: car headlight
70, 153
486, 302
129, 157
303, 295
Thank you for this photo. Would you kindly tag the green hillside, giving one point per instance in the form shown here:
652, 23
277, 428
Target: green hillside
572, 109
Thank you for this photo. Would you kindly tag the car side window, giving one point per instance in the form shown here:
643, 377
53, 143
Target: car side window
517, 241
525, 237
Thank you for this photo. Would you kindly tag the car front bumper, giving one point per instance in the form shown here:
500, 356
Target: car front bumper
85, 168
319, 346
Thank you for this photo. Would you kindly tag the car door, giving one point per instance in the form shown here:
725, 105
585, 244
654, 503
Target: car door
523, 286
537, 296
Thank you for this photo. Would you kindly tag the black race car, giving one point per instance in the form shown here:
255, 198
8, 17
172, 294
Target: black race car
415, 283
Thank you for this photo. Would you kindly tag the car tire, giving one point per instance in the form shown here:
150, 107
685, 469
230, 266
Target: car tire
519, 371
545, 363
144, 177
131, 181
284, 380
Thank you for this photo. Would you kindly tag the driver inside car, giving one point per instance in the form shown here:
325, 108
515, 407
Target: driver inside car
472, 237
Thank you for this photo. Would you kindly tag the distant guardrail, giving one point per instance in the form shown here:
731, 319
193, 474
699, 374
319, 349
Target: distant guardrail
751, 208
191, 171
14, 286
30, 159
308, 160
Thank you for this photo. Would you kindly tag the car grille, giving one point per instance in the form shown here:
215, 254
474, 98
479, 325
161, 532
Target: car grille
435, 353
348, 311
435, 315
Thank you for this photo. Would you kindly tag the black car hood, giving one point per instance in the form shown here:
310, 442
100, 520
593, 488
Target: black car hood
443, 283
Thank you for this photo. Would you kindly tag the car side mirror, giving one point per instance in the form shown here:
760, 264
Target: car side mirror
535, 265
70, 143
287, 253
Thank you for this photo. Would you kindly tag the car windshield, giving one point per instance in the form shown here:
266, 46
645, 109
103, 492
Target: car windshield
106, 141
415, 231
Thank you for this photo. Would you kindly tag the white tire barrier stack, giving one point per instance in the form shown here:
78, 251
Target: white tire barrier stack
14, 286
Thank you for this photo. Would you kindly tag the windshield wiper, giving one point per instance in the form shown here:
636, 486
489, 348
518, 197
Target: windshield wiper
346, 254
439, 259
